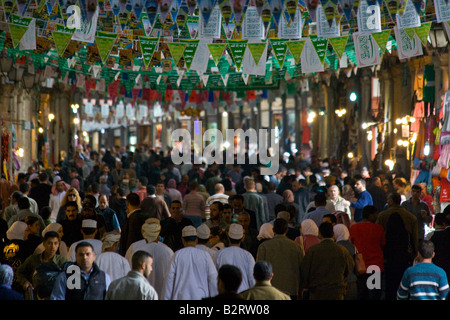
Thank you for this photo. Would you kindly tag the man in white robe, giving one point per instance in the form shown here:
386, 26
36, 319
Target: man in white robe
203, 235
109, 260
160, 252
236, 256
192, 274
88, 230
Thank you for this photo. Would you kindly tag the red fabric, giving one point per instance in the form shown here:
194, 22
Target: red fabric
445, 190
369, 239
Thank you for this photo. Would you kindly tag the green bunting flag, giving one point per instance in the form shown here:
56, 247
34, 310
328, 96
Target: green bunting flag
296, 48
189, 52
320, 45
257, 50
176, 50
237, 48
410, 32
381, 38
279, 48
423, 31
18, 27
61, 37
216, 50
148, 47
105, 41
339, 44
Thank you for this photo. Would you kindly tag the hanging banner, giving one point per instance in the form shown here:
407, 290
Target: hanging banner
28, 41
176, 50
293, 30
257, 50
88, 29
368, 17
211, 29
296, 47
250, 67
62, 37
18, 27
347, 7
276, 7
324, 29
279, 48
148, 47
381, 38
216, 50
442, 9
423, 31
410, 18
253, 27
366, 50
206, 8
310, 61
104, 42
320, 45
339, 44
225, 9
237, 48
239, 10
407, 48
189, 52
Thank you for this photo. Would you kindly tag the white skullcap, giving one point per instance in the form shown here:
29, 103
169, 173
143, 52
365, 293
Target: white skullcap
189, 231
203, 232
236, 231
89, 223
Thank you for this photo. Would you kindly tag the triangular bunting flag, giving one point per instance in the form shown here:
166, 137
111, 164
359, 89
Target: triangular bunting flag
410, 32
216, 50
105, 41
18, 27
320, 45
237, 48
339, 44
148, 47
381, 38
279, 48
61, 37
423, 31
296, 48
257, 50
176, 50
189, 52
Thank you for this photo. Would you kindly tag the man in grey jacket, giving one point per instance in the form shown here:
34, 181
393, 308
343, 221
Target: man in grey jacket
134, 286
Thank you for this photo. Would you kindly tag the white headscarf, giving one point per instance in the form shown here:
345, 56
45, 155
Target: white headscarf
309, 227
54, 226
265, 231
17, 231
109, 240
150, 229
341, 232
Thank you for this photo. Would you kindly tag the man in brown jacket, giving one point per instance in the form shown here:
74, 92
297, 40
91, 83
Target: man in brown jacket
285, 255
325, 267
154, 205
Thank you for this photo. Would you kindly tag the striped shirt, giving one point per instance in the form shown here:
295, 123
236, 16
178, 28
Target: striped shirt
221, 197
423, 281
193, 204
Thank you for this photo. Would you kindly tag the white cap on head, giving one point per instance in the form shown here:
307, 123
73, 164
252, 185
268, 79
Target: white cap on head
203, 232
189, 231
236, 231
89, 223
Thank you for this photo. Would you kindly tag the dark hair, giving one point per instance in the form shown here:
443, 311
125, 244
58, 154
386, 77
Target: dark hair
90, 199
84, 244
395, 197
72, 204
262, 270
29, 220
280, 226
320, 199
45, 212
220, 204
42, 176
95, 187
238, 197
133, 199
17, 195
143, 180
151, 190
326, 230
331, 216
416, 187
426, 249
193, 185
279, 207
292, 211
23, 203
24, 187
175, 201
50, 234
227, 206
121, 192
231, 277
368, 210
439, 218
138, 258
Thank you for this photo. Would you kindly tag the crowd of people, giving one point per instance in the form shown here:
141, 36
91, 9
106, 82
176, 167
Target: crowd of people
119, 225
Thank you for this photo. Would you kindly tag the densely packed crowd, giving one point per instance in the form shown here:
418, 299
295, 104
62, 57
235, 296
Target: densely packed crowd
117, 224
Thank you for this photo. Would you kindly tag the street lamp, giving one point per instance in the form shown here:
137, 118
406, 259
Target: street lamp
437, 38
353, 96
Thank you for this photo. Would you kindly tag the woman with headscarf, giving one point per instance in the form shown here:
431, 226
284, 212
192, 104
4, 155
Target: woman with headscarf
342, 237
289, 200
56, 227
172, 191
310, 234
265, 232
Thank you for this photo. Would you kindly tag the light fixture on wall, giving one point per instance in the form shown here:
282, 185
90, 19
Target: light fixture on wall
28, 80
6, 65
438, 38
